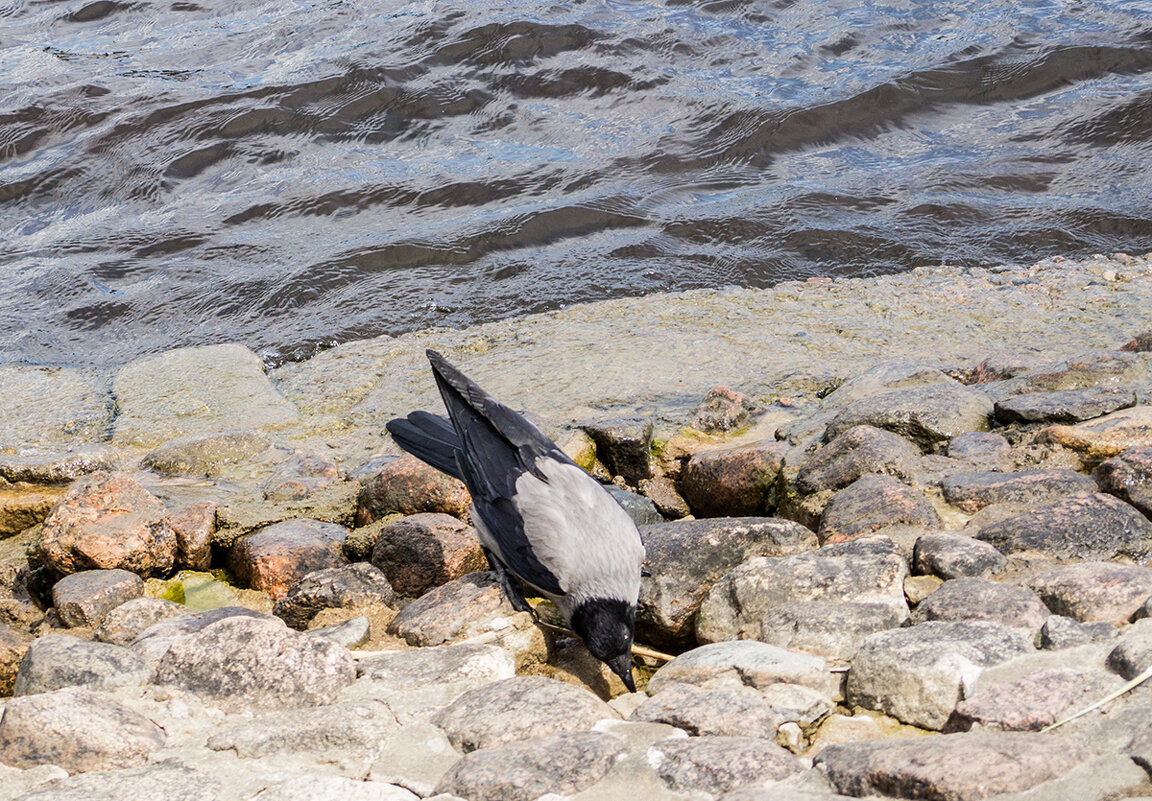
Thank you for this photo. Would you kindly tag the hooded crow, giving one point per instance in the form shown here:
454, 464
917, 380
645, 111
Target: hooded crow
539, 516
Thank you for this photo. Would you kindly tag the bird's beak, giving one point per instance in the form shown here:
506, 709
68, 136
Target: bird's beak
622, 667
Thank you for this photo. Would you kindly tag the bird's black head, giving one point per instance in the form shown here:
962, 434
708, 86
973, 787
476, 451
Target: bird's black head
607, 626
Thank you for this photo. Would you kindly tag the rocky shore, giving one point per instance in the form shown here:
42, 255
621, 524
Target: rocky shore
895, 527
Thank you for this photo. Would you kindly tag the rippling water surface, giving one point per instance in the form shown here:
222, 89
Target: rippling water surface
293, 174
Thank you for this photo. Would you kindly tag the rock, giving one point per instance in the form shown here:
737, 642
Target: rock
257, 662
354, 729
971, 492
299, 476
416, 761
426, 550
352, 633
925, 415
884, 378
154, 641
871, 503
917, 588
23, 508
78, 730
736, 711
84, 598
919, 674
447, 611
686, 557
79, 411
771, 591
168, 780
519, 708
716, 764
17, 586
1034, 701
641, 509
1064, 632
1129, 477
1093, 369
723, 409
198, 390
624, 446
1104, 437
969, 765
755, 664
320, 788
56, 468
1086, 526
13, 645
733, 481
210, 456
1133, 653
194, 525
122, 625
278, 556
978, 446
409, 486
563, 764
859, 451
1064, 406
1094, 591
55, 661
951, 556
832, 629
1141, 343
981, 599
472, 664
106, 521
664, 495
344, 587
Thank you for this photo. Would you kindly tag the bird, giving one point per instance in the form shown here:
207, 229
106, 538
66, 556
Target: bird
539, 516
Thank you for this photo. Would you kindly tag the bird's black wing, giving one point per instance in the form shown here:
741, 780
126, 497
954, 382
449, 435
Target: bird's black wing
429, 437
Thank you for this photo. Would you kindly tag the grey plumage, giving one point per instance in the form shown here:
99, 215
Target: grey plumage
539, 516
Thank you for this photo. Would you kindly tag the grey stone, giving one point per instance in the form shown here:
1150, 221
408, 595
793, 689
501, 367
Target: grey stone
951, 556
519, 708
919, 674
417, 760
563, 764
883, 378
1096, 368
684, 558
300, 475
872, 503
449, 611
859, 451
664, 495
978, 446
1133, 653
257, 662
55, 661
740, 711
1094, 591
982, 599
324, 788
1033, 701
1129, 477
343, 587
351, 633
733, 481
168, 780
832, 629
717, 764
642, 510
154, 641
1064, 632
426, 550
756, 664
84, 598
624, 446
1064, 406
354, 729
971, 492
926, 415
1086, 526
209, 456
78, 730
472, 663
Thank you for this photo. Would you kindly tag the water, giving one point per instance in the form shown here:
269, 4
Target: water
295, 174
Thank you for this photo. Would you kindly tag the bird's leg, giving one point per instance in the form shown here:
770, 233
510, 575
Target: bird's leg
513, 595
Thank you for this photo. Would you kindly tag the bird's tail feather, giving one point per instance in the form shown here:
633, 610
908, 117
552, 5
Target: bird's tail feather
430, 438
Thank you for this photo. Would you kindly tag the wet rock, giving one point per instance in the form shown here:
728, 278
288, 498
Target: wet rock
122, 625
425, 550
872, 503
13, 645
23, 508
736, 711
1129, 477
278, 556
969, 765
886, 377
624, 446
919, 674
1064, 406
733, 481
1064, 632
925, 415
194, 525
417, 761
446, 612
56, 468
257, 662
1034, 701
210, 456
971, 492
686, 557
106, 521
80, 407
1093, 369
155, 640
519, 708
1133, 653
563, 764
978, 446
859, 451
641, 509
409, 486
191, 391
1086, 526
663, 493
84, 598
344, 587
1104, 437
299, 476
755, 664
357, 730
981, 599
716, 764
78, 730
951, 556
55, 661
723, 409
772, 597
